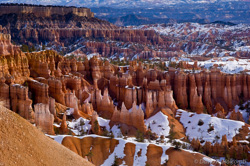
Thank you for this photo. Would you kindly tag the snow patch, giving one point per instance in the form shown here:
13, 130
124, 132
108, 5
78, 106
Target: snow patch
159, 124
210, 129
142, 159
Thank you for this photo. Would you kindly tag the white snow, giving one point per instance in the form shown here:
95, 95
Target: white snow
209, 160
116, 131
221, 126
228, 65
104, 123
89, 56
70, 111
79, 125
159, 124
164, 157
118, 152
58, 138
142, 159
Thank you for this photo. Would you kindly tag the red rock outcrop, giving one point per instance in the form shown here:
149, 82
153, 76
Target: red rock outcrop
4, 93
103, 104
44, 119
195, 102
40, 91
95, 127
87, 108
14, 68
20, 102
236, 116
180, 90
6, 47
133, 117
72, 102
64, 127
238, 152
55, 90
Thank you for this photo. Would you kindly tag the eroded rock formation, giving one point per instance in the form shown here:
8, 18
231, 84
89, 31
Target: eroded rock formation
105, 147
43, 118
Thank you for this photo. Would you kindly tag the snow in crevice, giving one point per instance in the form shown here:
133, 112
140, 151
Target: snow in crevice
164, 156
118, 152
142, 159
116, 131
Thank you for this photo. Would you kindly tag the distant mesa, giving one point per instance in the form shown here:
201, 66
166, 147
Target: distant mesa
44, 11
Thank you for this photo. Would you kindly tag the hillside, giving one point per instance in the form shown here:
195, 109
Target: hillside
23, 144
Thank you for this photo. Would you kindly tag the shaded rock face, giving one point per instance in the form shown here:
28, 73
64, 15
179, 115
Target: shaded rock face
38, 24
62, 26
131, 42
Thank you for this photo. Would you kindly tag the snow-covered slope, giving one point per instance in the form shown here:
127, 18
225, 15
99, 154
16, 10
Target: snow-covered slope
229, 65
159, 124
113, 3
208, 128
